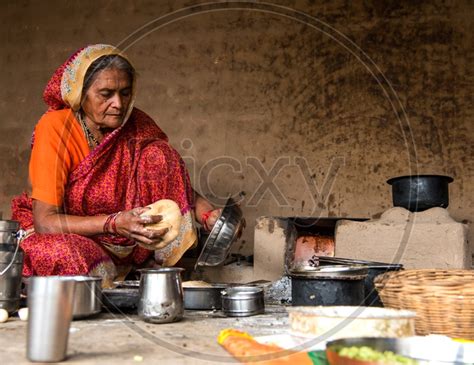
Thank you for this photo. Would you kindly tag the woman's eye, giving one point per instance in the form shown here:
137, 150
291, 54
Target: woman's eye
105, 94
126, 92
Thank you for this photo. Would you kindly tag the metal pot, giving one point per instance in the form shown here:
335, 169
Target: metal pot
11, 265
243, 301
161, 295
328, 285
420, 192
203, 298
87, 296
372, 298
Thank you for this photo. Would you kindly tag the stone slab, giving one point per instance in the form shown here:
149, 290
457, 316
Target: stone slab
429, 239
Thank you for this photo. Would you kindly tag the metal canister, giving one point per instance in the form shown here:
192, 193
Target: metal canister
242, 301
11, 266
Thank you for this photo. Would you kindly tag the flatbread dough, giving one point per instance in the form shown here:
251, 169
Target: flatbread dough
196, 284
171, 219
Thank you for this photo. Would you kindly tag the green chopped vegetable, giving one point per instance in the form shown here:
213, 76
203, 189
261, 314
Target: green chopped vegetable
366, 353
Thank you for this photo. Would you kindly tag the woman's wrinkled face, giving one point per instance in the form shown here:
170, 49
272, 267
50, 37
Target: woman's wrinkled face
107, 99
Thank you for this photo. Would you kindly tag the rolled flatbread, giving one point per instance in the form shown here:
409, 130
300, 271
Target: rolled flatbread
171, 219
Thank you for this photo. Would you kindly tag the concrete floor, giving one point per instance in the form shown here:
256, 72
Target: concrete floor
125, 339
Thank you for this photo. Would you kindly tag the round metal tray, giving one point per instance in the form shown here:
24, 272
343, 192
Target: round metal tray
121, 299
330, 271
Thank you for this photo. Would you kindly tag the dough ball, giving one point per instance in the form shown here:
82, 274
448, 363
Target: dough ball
3, 315
171, 219
23, 314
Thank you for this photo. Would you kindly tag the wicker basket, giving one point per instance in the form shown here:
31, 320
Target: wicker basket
443, 299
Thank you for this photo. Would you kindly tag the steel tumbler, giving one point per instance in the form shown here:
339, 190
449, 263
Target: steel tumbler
50, 303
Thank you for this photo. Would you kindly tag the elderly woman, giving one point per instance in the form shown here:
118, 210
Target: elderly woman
96, 162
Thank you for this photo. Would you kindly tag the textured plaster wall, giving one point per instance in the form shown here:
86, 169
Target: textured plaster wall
262, 103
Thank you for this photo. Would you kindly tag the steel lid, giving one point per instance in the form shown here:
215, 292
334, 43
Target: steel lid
6, 225
351, 272
242, 292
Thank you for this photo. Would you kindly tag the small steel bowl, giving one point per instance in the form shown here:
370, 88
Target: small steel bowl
87, 295
242, 301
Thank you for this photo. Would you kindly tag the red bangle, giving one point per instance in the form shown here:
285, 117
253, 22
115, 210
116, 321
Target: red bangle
105, 228
110, 221
204, 217
114, 222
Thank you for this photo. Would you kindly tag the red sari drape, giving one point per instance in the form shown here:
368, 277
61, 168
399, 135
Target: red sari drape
133, 166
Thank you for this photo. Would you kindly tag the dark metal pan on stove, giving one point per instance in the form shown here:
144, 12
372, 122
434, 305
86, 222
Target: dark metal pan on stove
375, 268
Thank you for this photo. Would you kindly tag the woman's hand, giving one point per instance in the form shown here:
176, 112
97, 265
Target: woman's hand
212, 218
130, 224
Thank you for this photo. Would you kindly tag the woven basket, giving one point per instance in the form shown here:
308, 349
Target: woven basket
443, 299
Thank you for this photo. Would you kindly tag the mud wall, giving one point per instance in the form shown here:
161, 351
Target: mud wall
308, 107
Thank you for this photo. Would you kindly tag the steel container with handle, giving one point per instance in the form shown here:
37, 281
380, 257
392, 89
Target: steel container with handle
161, 295
11, 265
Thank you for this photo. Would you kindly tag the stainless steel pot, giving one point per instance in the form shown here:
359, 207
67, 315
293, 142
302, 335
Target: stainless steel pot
87, 296
161, 295
11, 265
203, 298
243, 301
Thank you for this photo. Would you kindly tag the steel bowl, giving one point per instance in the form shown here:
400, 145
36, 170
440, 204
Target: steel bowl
87, 296
227, 229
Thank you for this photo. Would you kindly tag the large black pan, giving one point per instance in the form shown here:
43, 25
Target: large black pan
420, 192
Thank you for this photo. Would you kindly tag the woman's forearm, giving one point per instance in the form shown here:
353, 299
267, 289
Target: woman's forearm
49, 219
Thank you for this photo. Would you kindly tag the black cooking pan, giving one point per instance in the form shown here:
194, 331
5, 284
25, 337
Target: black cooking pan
420, 192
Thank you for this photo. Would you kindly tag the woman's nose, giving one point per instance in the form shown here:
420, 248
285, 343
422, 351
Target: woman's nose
117, 101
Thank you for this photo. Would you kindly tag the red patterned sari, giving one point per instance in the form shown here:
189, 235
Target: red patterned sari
133, 166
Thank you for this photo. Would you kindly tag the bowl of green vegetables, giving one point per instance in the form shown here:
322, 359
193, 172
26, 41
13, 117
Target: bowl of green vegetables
416, 350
